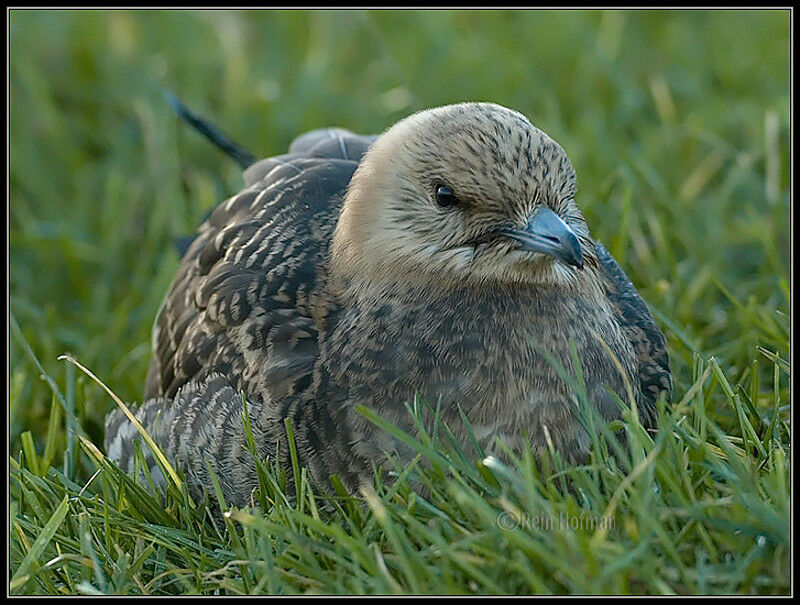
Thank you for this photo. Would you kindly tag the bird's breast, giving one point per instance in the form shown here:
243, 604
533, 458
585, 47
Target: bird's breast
510, 365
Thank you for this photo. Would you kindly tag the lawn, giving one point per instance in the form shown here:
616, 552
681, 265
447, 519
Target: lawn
678, 125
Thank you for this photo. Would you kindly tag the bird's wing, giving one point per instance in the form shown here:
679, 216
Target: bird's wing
245, 297
335, 143
325, 143
647, 339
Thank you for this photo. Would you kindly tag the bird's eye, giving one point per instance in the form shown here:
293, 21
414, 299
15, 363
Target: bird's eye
445, 196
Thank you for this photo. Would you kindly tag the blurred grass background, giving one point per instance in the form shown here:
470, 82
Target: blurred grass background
677, 124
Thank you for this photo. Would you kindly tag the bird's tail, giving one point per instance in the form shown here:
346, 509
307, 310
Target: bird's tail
240, 155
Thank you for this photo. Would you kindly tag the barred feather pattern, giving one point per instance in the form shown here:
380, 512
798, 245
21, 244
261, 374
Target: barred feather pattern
250, 281
242, 319
202, 427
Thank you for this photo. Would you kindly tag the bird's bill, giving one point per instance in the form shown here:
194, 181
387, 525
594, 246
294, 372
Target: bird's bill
547, 233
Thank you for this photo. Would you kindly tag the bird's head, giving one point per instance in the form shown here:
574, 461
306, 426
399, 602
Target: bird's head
467, 194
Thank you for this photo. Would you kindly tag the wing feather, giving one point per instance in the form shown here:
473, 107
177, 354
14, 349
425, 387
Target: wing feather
241, 303
647, 339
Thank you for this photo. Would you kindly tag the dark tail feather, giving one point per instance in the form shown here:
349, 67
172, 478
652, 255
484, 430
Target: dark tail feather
242, 157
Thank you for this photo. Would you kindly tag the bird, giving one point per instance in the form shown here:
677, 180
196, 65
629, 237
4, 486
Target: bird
446, 258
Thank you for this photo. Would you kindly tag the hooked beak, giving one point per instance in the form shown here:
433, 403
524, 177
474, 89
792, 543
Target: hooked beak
547, 233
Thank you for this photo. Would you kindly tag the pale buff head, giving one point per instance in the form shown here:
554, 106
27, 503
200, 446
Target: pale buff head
468, 194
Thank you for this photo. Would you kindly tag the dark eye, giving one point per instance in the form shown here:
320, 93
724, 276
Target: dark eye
445, 196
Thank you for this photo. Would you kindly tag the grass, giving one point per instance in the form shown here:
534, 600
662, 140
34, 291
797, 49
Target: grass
678, 126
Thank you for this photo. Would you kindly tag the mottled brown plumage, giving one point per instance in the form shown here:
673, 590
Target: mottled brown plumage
446, 257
